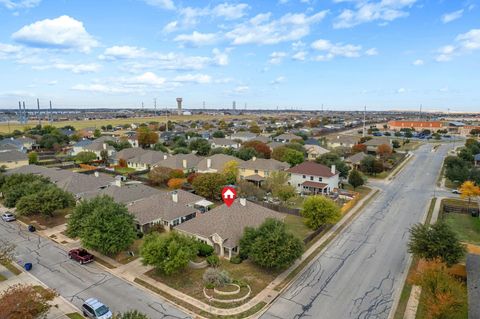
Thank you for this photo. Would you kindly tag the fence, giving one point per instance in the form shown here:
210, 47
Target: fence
310, 237
279, 208
460, 210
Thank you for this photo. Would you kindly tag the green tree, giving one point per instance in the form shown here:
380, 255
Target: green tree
330, 159
16, 186
32, 158
279, 152
103, 225
271, 246
356, 179
284, 192
160, 147
370, 165
202, 146
209, 185
246, 153
435, 241
293, 157
146, 136
85, 157
218, 134
104, 156
45, 202
168, 254
97, 133
230, 171
131, 314
319, 211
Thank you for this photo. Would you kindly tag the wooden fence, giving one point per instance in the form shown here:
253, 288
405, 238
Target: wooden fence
279, 208
461, 210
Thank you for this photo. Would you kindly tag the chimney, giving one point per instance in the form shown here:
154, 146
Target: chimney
334, 171
104, 146
243, 201
254, 159
209, 162
184, 163
175, 196
96, 174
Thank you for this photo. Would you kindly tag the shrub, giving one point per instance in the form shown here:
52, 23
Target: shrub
213, 261
204, 250
215, 277
236, 260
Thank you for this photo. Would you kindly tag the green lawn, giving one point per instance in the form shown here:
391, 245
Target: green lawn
2, 277
296, 225
74, 315
124, 170
465, 226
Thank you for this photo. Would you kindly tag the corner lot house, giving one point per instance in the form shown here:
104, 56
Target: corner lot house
222, 227
376, 142
314, 178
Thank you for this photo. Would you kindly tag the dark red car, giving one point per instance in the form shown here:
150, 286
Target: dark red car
80, 255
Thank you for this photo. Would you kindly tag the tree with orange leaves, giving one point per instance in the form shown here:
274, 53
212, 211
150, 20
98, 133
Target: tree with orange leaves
384, 151
175, 183
469, 190
25, 302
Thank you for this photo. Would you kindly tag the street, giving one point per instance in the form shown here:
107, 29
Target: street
78, 282
360, 272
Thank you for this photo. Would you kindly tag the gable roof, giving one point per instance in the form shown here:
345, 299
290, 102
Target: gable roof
218, 162
148, 158
229, 222
128, 153
12, 156
176, 161
125, 193
378, 141
223, 141
287, 136
264, 164
312, 168
356, 158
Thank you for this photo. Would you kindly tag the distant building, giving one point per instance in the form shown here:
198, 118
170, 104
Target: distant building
12, 158
416, 125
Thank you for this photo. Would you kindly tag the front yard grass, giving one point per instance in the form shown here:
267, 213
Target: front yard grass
74, 315
124, 170
190, 281
296, 225
465, 226
125, 257
11, 267
58, 218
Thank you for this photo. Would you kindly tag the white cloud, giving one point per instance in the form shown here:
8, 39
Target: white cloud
383, 11
123, 52
261, 30
230, 11
8, 50
101, 88
330, 50
300, 56
220, 58
277, 57
371, 52
147, 78
75, 68
464, 43
19, 4
171, 27
452, 16
278, 80
61, 33
241, 89
164, 4
197, 38
194, 78
401, 90
418, 62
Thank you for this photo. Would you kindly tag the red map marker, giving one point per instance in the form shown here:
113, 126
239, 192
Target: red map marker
228, 195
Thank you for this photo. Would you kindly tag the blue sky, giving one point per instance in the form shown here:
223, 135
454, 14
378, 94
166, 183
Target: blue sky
386, 54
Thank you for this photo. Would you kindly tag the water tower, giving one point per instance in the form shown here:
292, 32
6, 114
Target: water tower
179, 105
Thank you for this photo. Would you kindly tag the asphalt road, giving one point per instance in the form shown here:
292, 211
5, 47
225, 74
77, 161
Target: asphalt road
360, 272
76, 282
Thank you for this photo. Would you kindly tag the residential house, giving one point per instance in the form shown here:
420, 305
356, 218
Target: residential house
313, 178
146, 160
224, 143
98, 148
27, 143
355, 159
314, 151
215, 163
80, 146
223, 227
168, 209
22, 144
123, 192
342, 141
184, 162
127, 154
286, 138
12, 158
243, 136
374, 143
274, 145
262, 138
258, 170
476, 160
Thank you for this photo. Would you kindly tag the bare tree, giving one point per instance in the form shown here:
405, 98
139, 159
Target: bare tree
6, 251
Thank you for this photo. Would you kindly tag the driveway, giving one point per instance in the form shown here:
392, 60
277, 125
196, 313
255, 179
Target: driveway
361, 272
77, 283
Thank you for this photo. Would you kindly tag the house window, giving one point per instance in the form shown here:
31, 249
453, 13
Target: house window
256, 171
311, 178
304, 176
319, 179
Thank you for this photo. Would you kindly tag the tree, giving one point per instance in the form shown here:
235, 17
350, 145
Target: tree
209, 185
271, 246
435, 241
176, 183
159, 175
249, 190
131, 314
359, 148
384, 151
146, 137
16, 186
103, 225
254, 128
168, 254
330, 159
275, 179
319, 210
176, 173
284, 192
293, 157
45, 202
456, 169
355, 178
97, 133
468, 190
279, 152
370, 165
25, 302
85, 157
396, 144
202, 146
122, 163
218, 134
262, 149
32, 158
443, 295
104, 156
160, 147
230, 171
6, 251
466, 154
246, 153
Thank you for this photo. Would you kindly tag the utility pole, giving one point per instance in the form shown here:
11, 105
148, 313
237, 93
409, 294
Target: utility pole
364, 120
420, 111
166, 119
50, 114
38, 113
155, 107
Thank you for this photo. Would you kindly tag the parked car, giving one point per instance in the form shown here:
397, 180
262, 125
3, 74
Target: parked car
94, 309
8, 217
456, 191
80, 255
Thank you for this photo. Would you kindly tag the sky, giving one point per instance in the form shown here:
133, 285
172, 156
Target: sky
343, 54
